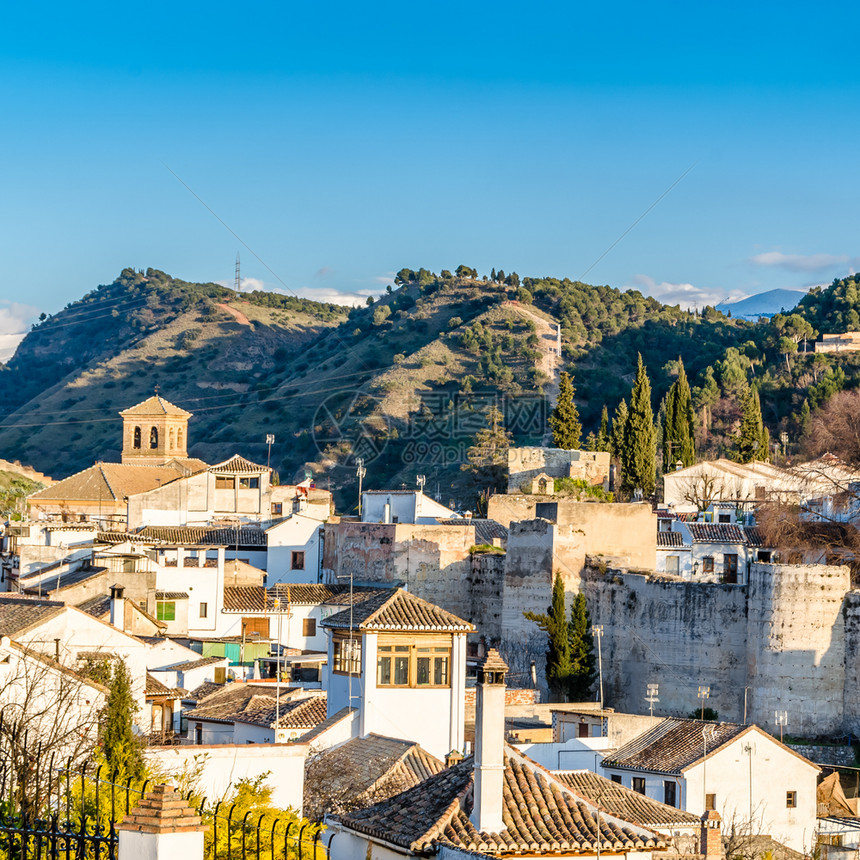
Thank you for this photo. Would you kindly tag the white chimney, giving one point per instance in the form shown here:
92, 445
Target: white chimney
117, 607
386, 513
489, 744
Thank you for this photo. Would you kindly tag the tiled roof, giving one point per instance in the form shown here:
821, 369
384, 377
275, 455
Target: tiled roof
18, 614
486, 531
98, 606
615, 799
204, 535
304, 713
207, 688
364, 771
755, 537
670, 539
541, 816
238, 464
155, 405
672, 746
171, 595
716, 533
397, 610
326, 724
232, 700
493, 662
188, 665
255, 598
154, 687
107, 482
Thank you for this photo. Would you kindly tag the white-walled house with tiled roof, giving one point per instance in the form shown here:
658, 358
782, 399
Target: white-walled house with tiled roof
741, 772
402, 662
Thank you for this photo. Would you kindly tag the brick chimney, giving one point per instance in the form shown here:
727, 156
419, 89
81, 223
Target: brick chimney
489, 744
710, 836
453, 757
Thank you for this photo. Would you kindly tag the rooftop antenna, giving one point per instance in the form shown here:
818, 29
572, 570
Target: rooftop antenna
421, 480
653, 696
360, 472
270, 440
704, 693
238, 283
781, 721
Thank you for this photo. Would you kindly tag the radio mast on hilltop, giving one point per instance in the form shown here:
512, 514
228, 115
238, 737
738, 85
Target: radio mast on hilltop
238, 283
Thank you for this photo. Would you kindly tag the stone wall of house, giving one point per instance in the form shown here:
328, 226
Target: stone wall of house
796, 646
787, 642
485, 587
525, 464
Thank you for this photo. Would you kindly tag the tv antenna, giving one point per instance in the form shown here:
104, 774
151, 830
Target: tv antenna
704, 693
360, 472
238, 282
653, 696
270, 440
421, 480
781, 721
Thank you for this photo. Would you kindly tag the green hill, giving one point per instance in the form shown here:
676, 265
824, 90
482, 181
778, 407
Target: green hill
405, 383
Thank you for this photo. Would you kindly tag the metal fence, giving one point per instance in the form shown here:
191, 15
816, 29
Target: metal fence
59, 811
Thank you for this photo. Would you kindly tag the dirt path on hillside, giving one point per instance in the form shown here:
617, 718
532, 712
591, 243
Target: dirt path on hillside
237, 315
547, 333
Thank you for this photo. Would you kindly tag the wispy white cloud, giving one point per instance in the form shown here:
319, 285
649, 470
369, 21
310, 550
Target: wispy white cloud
685, 295
330, 295
15, 320
805, 262
387, 278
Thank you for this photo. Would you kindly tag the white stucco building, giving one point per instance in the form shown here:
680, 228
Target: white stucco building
741, 772
402, 662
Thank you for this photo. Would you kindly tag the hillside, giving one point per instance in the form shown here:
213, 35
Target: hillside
404, 383
762, 304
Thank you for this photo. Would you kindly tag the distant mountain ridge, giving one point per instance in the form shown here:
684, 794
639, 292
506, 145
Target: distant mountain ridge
763, 304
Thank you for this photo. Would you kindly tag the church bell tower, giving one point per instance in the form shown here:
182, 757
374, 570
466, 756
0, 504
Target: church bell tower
154, 433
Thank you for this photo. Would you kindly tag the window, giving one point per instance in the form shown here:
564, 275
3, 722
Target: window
277, 509
670, 792
204, 610
402, 663
710, 802
309, 627
730, 568
153, 438
708, 564
165, 610
347, 655
764, 555
639, 784
222, 482
725, 518
157, 719
672, 564
791, 800
249, 483
582, 730
136, 442
171, 439
616, 777
297, 560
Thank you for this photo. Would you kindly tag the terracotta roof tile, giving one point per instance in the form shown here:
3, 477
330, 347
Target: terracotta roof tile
364, 771
716, 533
107, 482
238, 464
672, 746
304, 713
256, 598
18, 614
542, 816
397, 610
622, 802
204, 535
493, 662
195, 664
154, 687
670, 539
155, 405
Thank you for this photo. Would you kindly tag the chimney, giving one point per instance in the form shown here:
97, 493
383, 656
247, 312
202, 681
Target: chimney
386, 513
117, 606
453, 757
710, 838
489, 744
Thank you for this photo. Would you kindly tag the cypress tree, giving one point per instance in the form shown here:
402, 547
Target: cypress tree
120, 747
638, 454
554, 623
602, 442
805, 421
679, 426
564, 421
583, 672
752, 441
616, 437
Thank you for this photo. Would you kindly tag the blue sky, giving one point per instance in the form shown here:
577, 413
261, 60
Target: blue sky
343, 141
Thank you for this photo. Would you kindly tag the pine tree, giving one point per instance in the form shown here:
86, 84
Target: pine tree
120, 747
564, 421
583, 672
493, 275
805, 421
752, 441
488, 455
679, 426
554, 623
603, 442
638, 454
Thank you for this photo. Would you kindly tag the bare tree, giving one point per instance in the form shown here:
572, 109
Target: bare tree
48, 719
